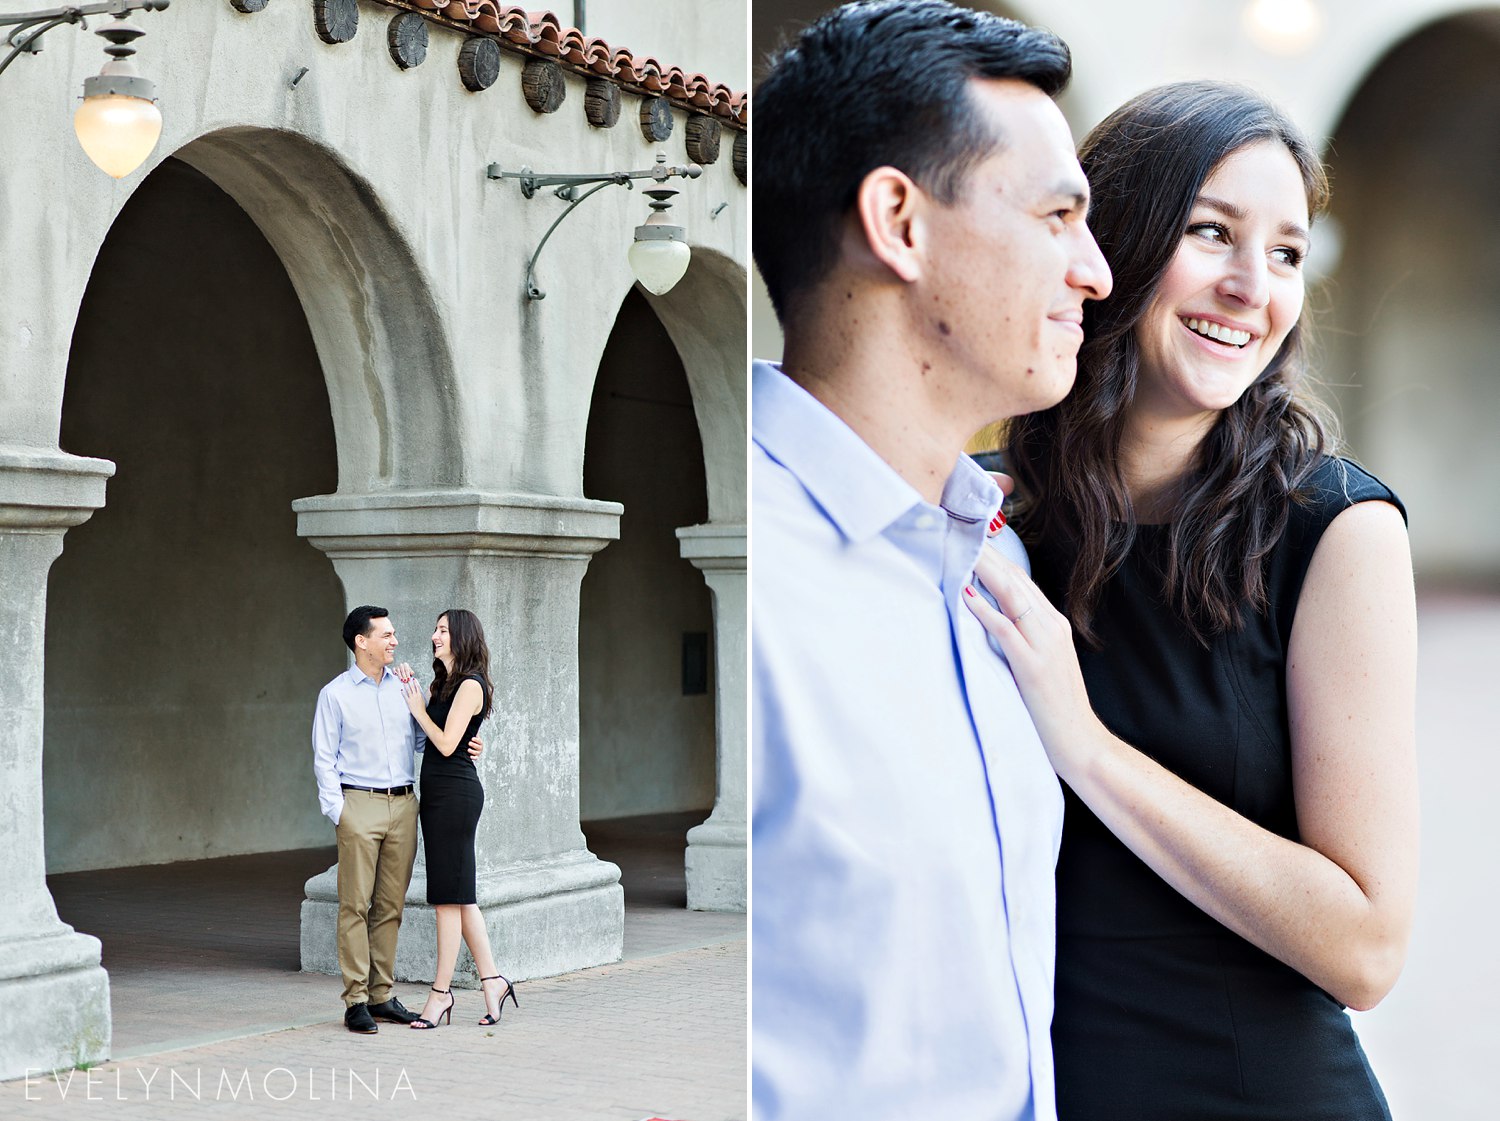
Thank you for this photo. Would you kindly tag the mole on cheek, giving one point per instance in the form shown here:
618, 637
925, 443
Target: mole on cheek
944, 328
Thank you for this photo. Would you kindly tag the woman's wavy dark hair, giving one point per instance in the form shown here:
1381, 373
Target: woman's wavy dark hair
471, 655
1146, 164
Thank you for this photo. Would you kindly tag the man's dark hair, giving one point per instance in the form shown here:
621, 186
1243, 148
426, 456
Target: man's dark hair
359, 622
872, 84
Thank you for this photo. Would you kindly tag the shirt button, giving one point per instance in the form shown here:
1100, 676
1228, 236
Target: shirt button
925, 521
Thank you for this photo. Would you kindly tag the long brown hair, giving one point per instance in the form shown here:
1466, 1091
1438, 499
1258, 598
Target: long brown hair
1146, 164
471, 655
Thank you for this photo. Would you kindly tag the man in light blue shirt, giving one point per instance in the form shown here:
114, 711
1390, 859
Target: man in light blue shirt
920, 224
364, 750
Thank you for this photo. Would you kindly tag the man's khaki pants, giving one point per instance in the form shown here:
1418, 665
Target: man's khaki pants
377, 836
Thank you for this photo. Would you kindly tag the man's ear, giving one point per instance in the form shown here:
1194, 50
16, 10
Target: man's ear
888, 206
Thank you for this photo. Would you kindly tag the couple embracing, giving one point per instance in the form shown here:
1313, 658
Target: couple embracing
1108, 814
370, 723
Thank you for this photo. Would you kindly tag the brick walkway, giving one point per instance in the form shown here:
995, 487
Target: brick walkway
655, 1037
210, 1013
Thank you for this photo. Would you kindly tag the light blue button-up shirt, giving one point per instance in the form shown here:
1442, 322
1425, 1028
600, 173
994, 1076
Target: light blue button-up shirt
906, 821
364, 735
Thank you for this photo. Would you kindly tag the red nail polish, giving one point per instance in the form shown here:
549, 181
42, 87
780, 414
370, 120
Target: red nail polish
997, 523
968, 591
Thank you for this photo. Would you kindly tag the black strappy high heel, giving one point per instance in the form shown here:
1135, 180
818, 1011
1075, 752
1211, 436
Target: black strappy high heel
510, 991
421, 1024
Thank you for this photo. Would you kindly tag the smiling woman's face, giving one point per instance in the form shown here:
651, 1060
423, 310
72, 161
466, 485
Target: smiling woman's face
1233, 291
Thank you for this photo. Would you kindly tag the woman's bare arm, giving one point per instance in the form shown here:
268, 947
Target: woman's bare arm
1337, 906
466, 704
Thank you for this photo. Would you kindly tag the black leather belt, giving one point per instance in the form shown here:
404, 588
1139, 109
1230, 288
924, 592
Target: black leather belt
391, 790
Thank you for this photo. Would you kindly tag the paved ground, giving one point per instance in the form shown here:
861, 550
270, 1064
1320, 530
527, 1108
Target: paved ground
210, 1012
1433, 1041
656, 1037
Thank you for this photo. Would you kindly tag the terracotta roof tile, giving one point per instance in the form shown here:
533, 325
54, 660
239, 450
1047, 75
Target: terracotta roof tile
542, 33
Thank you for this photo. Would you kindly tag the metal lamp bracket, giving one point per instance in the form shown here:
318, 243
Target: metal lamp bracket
54, 17
566, 187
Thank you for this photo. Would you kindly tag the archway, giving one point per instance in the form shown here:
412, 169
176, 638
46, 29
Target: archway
1415, 300
1414, 305
254, 331
380, 333
705, 315
684, 354
282, 343
646, 698
178, 667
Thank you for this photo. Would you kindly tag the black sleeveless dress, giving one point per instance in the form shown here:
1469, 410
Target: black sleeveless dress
452, 798
1164, 1014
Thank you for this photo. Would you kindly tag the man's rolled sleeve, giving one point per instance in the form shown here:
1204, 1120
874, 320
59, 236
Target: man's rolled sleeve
327, 727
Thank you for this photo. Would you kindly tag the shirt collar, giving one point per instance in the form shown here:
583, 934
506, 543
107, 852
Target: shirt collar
859, 491
970, 494
356, 675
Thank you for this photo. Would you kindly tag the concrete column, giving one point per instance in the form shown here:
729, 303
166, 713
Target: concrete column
516, 561
52, 987
716, 878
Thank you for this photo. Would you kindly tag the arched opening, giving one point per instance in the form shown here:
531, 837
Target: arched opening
646, 695
178, 666
1415, 300
381, 335
1414, 305
182, 654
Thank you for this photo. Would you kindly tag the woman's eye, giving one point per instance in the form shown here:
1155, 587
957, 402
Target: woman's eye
1288, 255
1209, 231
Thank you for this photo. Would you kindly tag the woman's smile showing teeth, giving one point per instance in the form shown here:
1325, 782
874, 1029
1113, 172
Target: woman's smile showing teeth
1217, 331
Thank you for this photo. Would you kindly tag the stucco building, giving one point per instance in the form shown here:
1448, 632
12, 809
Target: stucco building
290, 366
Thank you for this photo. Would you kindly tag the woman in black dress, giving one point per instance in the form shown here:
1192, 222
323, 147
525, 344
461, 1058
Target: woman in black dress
1228, 692
452, 798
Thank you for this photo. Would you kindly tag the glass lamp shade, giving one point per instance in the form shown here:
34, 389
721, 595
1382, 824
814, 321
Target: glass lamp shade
659, 263
117, 132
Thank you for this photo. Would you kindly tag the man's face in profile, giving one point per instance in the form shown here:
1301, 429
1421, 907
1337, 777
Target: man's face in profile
1012, 260
380, 641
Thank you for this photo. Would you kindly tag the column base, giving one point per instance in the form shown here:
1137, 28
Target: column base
56, 1000
716, 867
544, 918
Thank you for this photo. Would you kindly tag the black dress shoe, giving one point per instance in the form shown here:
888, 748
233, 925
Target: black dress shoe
357, 1018
394, 1011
